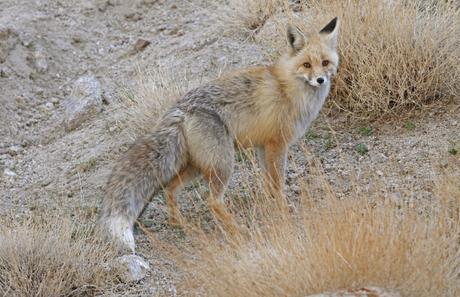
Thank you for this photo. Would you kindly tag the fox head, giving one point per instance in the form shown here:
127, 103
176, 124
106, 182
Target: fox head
313, 57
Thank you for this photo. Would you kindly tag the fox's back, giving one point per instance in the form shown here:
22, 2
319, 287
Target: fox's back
248, 102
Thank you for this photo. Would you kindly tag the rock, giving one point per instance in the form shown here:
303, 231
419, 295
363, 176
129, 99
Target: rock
9, 172
296, 189
55, 101
131, 268
46, 183
4, 72
14, 150
8, 40
84, 102
40, 60
133, 16
361, 292
174, 31
141, 44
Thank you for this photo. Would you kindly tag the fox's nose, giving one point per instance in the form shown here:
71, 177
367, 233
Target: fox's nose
320, 80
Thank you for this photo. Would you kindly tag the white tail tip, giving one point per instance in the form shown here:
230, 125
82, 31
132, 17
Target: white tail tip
122, 230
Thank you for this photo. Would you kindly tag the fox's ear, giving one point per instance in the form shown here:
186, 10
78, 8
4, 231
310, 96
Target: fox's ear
295, 38
330, 32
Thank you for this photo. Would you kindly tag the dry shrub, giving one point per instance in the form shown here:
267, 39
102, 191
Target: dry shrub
395, 55
334, 244
248, 17
52, 257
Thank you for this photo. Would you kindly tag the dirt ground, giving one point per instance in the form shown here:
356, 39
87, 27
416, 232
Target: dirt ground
46, 45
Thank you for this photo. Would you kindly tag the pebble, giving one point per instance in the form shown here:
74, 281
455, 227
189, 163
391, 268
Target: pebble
84, 102
9, 172
141, 44
14, 150
131, 268
174, 31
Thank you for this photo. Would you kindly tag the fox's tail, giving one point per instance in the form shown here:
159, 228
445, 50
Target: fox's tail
149, 164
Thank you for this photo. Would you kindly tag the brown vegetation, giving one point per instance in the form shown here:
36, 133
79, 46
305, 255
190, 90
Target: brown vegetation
395, 55
53, 257
331, 244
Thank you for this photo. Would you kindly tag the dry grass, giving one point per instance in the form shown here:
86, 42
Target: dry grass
140, 107
52, 257
248, 17
334, 244
395, 55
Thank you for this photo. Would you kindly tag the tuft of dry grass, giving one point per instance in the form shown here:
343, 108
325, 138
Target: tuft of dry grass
248, 17
139, 107
334, 244
52, 257
395, 55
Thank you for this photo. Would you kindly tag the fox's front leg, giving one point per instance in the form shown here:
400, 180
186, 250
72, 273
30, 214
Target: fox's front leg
275, 166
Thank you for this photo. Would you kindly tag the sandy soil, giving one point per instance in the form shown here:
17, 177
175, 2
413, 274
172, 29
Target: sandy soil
46, 45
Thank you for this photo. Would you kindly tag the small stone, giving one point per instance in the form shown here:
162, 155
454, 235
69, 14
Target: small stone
379, 173
49, 105
26, 142
174, 6
4, 72
295, 189
174, 31
14, 150
162, 28
444, 163
102, 7
141, 44
131, 268
133, 16
46, 182
40, 61
55, 101
84, 102
9, 172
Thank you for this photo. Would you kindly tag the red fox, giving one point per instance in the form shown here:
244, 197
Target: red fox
266, 107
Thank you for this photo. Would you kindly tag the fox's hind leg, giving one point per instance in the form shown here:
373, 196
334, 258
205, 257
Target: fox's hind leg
176, 184
211, 150
218, 179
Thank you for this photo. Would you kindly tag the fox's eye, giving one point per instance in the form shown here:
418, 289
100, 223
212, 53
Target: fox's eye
325, 63
306, 65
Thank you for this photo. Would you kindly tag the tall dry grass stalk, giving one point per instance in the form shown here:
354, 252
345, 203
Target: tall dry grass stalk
52, 257
395, 55
329, 244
